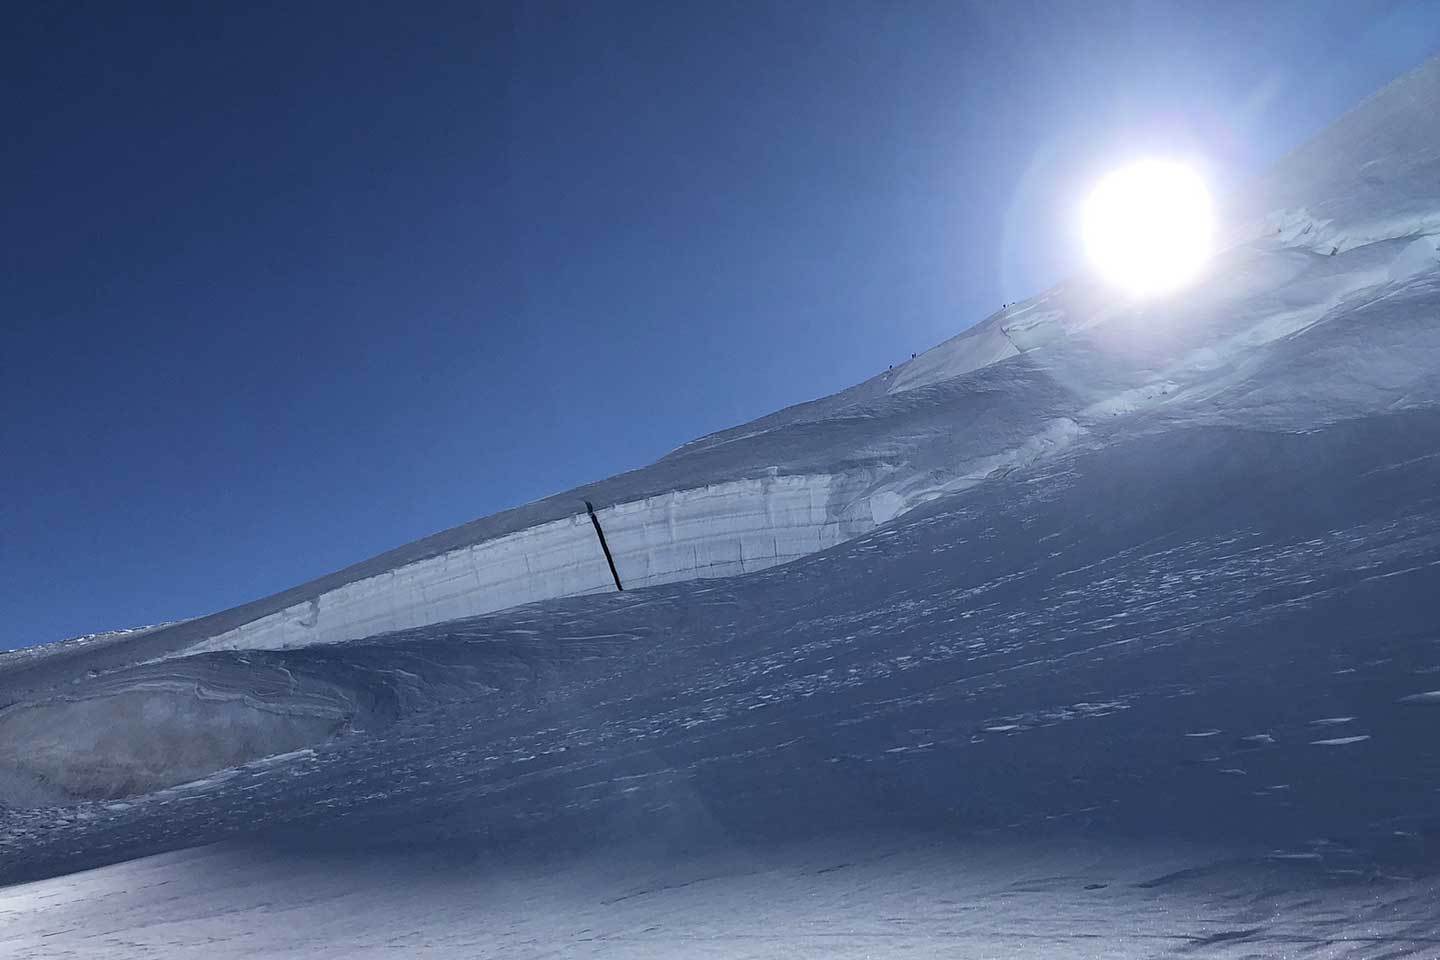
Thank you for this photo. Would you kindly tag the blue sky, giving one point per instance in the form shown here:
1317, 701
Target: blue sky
286, 285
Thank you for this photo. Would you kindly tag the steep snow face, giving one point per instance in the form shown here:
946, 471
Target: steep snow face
1090, 576
1345, 229
716, 531
1208, 633
1372, 175
1280, 337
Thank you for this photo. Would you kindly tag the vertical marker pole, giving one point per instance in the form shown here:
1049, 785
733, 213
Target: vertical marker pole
603, 545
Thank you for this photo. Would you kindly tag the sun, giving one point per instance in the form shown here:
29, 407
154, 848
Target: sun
1148, 227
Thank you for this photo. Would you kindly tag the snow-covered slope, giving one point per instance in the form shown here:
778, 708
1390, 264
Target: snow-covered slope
1090, 567
784, 486
714, 531
1372, 175
1021, 385
874, 897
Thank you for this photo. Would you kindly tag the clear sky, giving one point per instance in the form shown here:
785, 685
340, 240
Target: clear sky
288, 284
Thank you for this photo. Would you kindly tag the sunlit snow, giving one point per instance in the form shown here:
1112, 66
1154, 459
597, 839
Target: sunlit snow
1105, 628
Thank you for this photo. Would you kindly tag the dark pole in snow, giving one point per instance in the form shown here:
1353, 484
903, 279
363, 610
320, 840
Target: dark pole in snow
603, 545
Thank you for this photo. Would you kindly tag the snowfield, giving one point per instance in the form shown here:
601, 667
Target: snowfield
885, 896
1101, 629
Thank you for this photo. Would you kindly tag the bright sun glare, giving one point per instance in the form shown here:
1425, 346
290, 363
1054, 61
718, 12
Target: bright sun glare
1148, 227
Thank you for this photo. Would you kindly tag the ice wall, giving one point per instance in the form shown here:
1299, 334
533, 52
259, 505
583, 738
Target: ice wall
713, 531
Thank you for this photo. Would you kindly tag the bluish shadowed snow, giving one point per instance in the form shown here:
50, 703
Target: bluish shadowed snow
1106, 629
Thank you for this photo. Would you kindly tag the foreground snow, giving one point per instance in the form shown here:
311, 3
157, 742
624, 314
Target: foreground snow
1134, 598
1217, 636
895, 896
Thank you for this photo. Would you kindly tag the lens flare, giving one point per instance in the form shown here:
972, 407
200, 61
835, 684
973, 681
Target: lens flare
1148, 227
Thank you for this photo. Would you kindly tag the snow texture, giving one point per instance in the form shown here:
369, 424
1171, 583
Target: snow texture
716, 531
872, 897
1103, 628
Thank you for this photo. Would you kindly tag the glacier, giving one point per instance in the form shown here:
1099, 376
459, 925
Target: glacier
1103, 625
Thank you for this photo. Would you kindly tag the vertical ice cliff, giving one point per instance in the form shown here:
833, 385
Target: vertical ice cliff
1139, 515
714, 531
1321, 309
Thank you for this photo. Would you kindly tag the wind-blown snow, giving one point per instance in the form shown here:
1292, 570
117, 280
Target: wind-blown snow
1089, 570
1021, 386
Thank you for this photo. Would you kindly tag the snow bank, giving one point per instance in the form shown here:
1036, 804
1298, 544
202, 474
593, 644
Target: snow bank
1279, 334
714, 531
